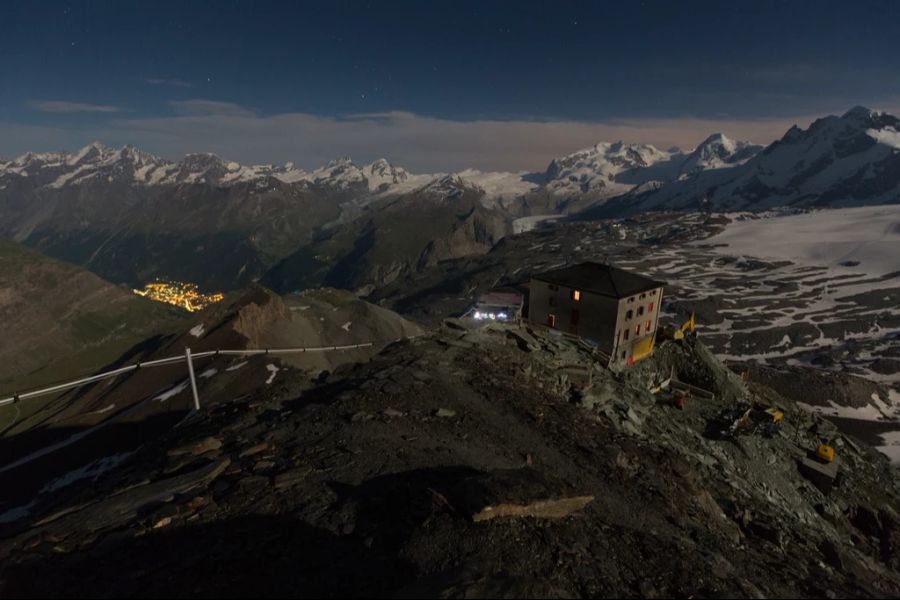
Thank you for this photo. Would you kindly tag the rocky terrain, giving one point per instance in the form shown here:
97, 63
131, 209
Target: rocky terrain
805, 315
497, 462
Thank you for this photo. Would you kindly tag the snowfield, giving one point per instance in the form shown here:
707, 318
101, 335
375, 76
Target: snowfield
868, 236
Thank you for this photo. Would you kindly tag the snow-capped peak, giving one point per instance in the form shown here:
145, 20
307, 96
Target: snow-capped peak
597, 169
91, 152
382, 174
859, 112
847, 160
718, 151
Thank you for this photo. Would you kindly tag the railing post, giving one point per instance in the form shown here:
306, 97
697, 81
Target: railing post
190, 364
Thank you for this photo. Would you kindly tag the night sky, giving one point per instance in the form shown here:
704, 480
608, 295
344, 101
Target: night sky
433, 85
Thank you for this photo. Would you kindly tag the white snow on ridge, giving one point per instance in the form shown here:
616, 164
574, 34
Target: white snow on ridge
499, 184
887, 136
869, 235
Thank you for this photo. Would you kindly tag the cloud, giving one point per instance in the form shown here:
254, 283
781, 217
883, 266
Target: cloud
63, 106
170, 82
419, 143
198, 107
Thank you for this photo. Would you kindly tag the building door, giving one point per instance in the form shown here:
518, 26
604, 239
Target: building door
573, 321
551, 320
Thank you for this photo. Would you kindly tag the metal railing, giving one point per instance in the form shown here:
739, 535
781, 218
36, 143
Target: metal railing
188, 358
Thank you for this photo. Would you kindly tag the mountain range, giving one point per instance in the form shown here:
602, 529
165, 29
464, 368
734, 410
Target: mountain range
130, 216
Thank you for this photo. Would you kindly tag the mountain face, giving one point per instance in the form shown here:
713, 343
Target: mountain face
393, 237
717, 152
590, 177
59, 319
609, 169
849, 160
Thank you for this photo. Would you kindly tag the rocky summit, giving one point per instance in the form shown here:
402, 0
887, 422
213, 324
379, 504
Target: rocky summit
501, 461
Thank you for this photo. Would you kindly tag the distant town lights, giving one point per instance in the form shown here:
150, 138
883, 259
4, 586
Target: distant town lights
177, 293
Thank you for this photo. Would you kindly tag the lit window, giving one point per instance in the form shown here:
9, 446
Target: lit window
576, 295
637, 329
551, 320
648, 325
650, 307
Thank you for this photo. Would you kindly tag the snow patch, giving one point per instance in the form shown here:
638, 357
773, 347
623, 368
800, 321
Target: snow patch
525, 224
857, 239
890, 446
171, 392
879, 411
91, 470
274, 371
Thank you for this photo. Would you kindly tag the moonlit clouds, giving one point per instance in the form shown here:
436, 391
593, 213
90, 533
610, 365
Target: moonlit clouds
63, 106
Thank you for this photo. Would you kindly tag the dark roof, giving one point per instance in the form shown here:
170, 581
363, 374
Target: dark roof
496, 298
599, 279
